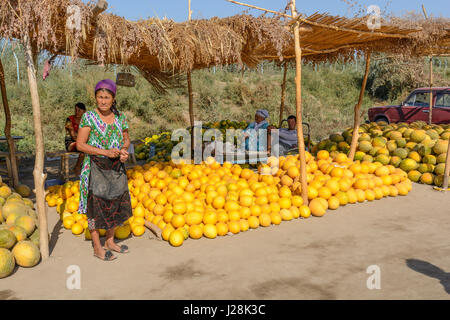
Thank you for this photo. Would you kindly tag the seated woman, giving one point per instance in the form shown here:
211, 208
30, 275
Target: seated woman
260, 123
72, 124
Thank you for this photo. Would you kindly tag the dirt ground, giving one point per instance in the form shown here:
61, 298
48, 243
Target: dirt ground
317, 258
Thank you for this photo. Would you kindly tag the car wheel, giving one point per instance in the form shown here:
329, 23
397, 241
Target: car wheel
382, 119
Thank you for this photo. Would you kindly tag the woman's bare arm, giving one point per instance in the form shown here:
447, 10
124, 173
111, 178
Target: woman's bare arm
126, 140
70, 130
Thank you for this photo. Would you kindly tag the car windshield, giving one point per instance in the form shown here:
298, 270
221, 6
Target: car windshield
420, 99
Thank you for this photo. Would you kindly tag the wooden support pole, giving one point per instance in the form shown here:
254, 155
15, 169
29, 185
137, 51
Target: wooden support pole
357, 115
189, 82
9, 139
191, 98
38, 173
430, 115
283, 93
447, 168
298, 87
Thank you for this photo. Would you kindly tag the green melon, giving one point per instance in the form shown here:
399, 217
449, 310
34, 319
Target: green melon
401, 143
346, 134
348, 140
432, 134
14, 195
7, 239
26, 254
422, 168
429, 143
395, 161
364, 137
401, 153
438, 129
359, 155
391, 145
343, 146
395, 135
7, 263
429, 159
321, 145
383, 159
336, 138
410, 145
445, 135
441, 158
376, 132
439, 181
424, 150
407, 133
440, 147
374, 151
439, 169
365, 146
408, 165
415, 156
27, 223
29, 203
414, 175
19, 232
379, 142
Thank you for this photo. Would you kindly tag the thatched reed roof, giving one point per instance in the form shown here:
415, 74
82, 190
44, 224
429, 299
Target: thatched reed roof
159, 47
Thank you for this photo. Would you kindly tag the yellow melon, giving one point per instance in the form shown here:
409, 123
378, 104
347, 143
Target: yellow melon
27, 223
26, 254
317, 208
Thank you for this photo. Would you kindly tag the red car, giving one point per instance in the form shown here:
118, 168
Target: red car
416, 108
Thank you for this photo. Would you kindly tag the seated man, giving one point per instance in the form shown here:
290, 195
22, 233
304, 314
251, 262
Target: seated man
260, 123
287, 137
72, 124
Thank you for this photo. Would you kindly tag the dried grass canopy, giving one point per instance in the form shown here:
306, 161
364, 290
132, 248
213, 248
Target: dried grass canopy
161, 46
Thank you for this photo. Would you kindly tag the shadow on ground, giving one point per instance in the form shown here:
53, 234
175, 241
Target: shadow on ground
430, 270
57, 230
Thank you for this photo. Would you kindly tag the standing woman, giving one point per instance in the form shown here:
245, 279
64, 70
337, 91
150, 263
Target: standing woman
105, 199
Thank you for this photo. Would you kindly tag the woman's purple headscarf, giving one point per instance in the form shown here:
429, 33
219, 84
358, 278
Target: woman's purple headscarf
106, 84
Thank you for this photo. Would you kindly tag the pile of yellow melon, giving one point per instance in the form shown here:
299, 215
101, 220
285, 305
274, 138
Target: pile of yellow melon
19, 235
337, 181
210, 199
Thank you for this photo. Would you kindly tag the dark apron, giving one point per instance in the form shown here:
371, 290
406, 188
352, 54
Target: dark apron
109, 203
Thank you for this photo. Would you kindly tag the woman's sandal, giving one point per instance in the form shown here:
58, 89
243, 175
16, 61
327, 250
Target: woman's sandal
123, 249
108, 256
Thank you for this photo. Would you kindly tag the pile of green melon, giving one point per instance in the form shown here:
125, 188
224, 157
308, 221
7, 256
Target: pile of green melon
417, 148
19, 235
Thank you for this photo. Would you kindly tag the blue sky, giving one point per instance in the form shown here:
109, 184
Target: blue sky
177, 9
